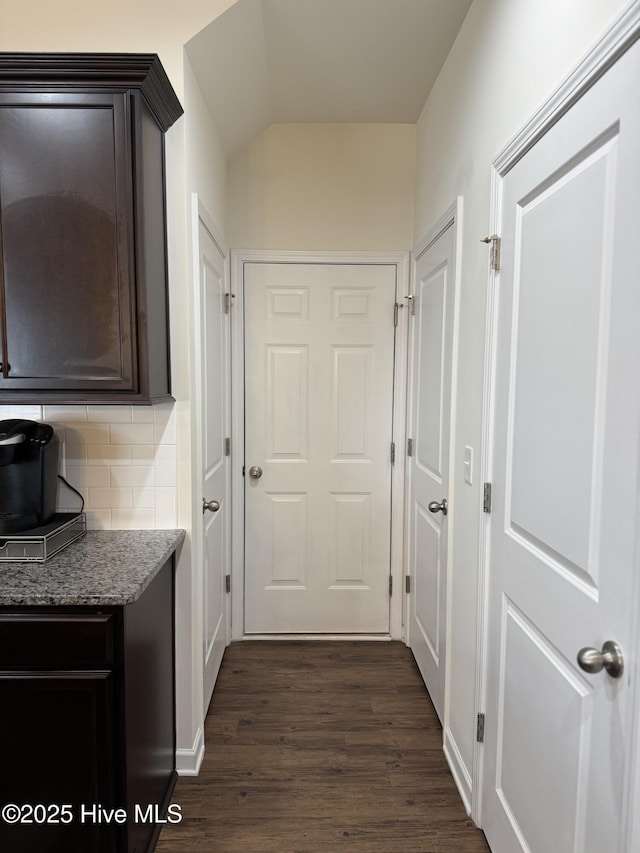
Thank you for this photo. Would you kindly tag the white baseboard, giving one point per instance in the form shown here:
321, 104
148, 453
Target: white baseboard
321, 637
459, 771
188, 761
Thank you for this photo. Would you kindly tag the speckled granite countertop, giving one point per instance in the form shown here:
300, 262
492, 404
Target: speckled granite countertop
105, 567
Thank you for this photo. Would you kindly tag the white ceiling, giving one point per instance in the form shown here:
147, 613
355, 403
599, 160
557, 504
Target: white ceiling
277, 61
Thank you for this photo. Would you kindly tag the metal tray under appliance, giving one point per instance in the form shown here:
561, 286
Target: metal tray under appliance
40, 543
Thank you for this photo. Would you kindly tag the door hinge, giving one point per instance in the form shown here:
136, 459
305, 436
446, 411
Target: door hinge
486, 500
396, 309
480, 729
227, 583
407, 583
496, 249
411, 302
393, 453
227, 447
409, 447
243, 470
390, 585
228, 302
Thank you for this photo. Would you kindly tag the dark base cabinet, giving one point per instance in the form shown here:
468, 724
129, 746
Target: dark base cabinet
87, 724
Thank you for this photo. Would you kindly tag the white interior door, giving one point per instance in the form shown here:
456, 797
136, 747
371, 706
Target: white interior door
564, 525
430, 416
319, 361
216, 470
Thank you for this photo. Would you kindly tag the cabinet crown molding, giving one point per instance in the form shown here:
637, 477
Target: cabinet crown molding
36, 72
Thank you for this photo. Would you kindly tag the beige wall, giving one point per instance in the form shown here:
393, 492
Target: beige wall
324, 187
153, 26
509, 57
206, 159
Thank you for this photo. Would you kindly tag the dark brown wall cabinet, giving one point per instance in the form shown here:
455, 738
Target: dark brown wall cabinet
83, 272
87, 710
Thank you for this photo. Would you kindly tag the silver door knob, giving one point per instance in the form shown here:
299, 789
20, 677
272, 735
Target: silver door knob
212, 506
255, 472
610, 658
434, 506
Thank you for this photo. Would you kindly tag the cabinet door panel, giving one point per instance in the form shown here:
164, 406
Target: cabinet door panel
65, 190
68, 757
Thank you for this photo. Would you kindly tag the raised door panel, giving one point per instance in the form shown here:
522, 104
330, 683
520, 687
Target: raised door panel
285, 552
431, 381
287, 403
558, 378
350, 540
526, 708
67, 243
351, 406
427, 579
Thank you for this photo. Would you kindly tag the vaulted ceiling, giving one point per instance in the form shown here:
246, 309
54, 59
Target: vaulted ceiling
278, 61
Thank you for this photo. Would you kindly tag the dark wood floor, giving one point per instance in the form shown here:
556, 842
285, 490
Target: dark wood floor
320, 747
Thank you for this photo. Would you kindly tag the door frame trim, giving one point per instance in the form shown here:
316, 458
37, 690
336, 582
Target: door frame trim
238, 259
623, 32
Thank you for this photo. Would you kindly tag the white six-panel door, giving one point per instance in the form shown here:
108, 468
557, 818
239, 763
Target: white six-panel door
430, 415
216, 473
319, 367
565, 480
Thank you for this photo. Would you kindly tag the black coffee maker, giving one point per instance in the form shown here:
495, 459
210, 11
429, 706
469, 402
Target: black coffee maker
28, 475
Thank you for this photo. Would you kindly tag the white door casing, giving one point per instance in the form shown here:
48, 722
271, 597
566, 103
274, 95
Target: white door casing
430, 423
319, 372
565, 461
216, 475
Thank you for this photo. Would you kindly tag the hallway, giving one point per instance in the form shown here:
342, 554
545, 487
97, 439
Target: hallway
321, 746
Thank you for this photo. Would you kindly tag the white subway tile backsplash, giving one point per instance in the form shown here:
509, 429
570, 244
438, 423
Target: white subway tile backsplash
97, 477
89, 476
122, 459
142, 414
64, 414
135, 475
132, 519
165, 423
87, 433
110, 414
131, 433
166, 508
143, 498
74, 454
166, 466
66, 500
27, 413
109, 454
109, 498
99, 519
143, 454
